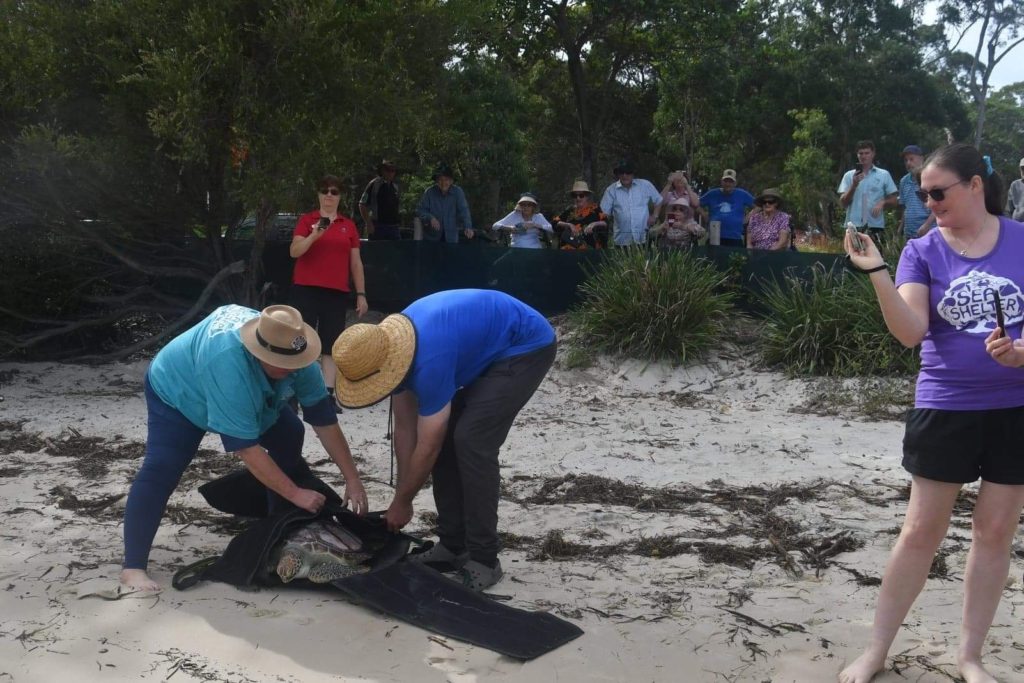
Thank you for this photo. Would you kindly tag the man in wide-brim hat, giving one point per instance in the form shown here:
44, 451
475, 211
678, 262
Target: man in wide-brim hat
233, 374
459, 366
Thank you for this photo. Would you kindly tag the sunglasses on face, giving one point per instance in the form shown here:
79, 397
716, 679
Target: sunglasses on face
769, 201
579, 195
333, 191
937, 194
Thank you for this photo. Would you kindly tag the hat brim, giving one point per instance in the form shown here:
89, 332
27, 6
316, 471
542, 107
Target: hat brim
401, 349
308, 356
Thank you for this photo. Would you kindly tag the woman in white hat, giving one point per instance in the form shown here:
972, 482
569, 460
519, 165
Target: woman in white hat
233, 374
525, 223
461, 365
582, 225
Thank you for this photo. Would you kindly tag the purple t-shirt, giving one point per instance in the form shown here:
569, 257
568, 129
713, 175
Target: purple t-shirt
956, 372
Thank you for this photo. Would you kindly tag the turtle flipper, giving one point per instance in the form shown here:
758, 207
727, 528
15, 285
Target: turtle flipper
331, 570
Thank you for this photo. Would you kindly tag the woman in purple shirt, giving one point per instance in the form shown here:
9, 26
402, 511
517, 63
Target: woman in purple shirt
966, 420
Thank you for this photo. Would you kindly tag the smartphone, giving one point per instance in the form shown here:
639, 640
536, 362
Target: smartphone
856, 238
858, 168
1000, 321
324, 222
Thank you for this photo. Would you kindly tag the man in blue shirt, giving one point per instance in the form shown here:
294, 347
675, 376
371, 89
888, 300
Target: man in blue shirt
915, 218
728, 205
233, 374
460, 364
632, 204
865, 191
443, 209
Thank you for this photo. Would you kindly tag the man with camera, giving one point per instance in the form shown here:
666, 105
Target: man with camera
866, 191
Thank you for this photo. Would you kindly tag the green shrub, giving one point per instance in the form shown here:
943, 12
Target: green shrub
650, 304
831, 325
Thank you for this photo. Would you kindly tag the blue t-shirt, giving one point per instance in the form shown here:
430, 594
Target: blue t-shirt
728, 210
208, 376
459, 333
915, 213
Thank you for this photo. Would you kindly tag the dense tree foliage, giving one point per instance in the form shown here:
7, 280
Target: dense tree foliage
133, 130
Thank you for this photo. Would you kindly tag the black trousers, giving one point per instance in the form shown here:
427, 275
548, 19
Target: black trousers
466, 477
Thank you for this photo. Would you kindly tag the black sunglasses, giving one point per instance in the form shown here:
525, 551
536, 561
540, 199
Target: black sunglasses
331, 191
937, 194
579, 195
769, 201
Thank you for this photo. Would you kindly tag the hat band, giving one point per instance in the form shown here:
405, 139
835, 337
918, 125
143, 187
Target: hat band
297, 347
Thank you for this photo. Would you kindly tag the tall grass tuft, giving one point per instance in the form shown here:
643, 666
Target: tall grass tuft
831, 325
652, 305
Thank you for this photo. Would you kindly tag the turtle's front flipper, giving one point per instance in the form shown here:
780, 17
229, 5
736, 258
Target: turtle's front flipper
331, 570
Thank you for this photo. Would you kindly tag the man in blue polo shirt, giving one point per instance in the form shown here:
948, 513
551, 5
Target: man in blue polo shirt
915, 218
233, 374
461, 364
728, 205
866, 191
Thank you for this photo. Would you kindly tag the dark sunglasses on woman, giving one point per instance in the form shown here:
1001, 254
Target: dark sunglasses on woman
331, 191
937, 194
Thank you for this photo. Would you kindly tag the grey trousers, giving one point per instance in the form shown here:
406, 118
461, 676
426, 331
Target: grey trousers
466, 477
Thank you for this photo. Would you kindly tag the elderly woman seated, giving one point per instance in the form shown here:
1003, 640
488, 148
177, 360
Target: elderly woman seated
582, 225
768, 228
678, 230
525, 224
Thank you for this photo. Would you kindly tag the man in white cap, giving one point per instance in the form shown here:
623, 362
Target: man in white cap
233, 374
1015, 197
728, 205
459, 366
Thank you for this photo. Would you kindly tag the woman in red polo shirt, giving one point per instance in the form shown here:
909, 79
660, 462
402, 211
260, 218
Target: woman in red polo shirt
325, 246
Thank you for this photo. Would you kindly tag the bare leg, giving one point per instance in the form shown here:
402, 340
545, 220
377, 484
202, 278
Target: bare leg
931, 503
988, 563
329, 369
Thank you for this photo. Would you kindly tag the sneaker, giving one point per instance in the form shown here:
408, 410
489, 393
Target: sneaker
478, 576
439, 557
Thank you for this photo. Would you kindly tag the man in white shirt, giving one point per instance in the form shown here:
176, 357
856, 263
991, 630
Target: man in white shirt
632, 204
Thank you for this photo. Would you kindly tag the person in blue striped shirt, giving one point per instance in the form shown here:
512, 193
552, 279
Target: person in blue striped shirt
915, 218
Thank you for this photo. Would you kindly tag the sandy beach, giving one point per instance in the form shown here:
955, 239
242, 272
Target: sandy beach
710, 523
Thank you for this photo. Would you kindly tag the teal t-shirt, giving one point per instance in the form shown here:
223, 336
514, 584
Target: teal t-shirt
207, 374
462, 331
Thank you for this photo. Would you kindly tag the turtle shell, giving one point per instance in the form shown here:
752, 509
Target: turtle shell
320, 551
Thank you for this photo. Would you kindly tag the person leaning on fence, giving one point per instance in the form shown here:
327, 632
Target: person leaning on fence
459, 365
768, 226
728, 205
632, 204
380, 203
582, 225
233, 374
679, 230
525, 224
444, 210
969, 405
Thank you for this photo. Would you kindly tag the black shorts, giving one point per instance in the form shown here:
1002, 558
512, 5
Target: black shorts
961, 446
322, 308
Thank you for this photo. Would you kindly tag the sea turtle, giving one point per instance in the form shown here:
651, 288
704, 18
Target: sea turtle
320, 551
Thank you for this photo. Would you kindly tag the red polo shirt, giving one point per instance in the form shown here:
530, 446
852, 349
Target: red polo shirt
326, 263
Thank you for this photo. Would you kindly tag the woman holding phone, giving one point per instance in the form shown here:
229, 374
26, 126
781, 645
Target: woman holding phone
325, 246
969, 405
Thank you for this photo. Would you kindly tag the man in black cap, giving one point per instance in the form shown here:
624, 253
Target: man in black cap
632, 203
379, 204
444, 210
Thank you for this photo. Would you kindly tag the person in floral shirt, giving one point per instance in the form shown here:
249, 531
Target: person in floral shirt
582, 225
768, 228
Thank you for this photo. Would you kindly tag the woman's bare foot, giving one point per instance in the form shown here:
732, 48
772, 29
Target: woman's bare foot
138, 580
972, 670
863, 668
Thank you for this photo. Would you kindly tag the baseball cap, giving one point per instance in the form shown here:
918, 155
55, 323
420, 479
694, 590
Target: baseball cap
729, 174
912, 149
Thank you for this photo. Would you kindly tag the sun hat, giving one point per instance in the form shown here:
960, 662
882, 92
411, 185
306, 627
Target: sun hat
624, 166
373, 360
279, 337
770, 192
912, 149
443, 170
729, 174
387, 165
1022, 162
529, 198
680, 201
580, 186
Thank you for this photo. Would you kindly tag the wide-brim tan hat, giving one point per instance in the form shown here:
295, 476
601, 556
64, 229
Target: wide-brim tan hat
373, 360
280, 338
580, 186
772, 193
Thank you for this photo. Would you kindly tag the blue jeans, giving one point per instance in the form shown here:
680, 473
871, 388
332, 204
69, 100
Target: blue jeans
171, 443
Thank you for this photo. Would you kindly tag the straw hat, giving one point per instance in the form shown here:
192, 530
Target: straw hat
580, 186
528, 198
280, 338
372, 360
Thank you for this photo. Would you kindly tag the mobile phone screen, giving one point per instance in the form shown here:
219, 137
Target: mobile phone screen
1000, 321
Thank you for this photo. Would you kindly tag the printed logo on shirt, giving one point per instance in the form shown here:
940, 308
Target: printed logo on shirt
725, 207
968, 304
229, 318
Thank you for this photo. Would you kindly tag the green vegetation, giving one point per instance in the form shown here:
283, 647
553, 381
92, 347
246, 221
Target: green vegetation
831, 325
650, 304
